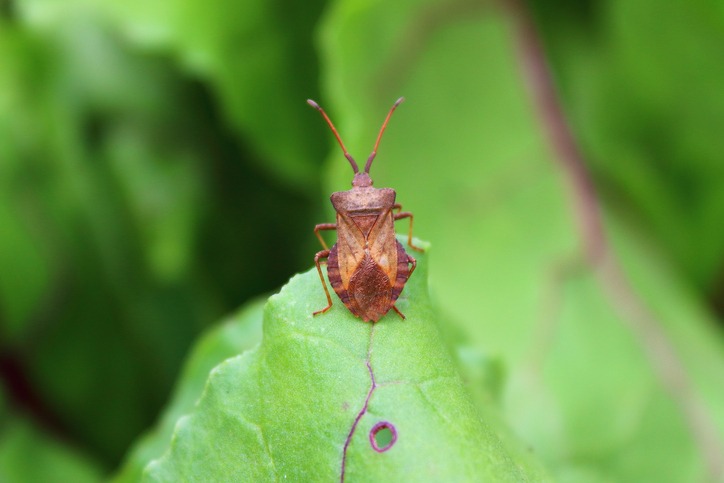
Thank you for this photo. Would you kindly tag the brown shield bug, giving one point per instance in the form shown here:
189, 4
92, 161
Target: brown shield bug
367, 267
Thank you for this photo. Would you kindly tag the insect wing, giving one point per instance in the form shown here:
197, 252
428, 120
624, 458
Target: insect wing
383, 246
350, 247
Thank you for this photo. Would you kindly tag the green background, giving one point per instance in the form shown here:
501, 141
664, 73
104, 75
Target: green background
161, 174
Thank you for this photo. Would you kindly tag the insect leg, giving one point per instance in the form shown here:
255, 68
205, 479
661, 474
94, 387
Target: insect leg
407, 214
414, 265
399, 313
324, 226
317, 258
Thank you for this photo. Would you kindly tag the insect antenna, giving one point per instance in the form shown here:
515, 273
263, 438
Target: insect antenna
379, 136
336, 134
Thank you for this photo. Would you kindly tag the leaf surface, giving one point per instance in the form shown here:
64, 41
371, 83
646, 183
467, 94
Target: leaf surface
234, 336
302, 404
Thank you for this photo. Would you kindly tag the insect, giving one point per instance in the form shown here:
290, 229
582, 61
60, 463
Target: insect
367, 267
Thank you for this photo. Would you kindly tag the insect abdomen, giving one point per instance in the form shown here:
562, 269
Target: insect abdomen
370, 290
369, 294
335, 279
403, 271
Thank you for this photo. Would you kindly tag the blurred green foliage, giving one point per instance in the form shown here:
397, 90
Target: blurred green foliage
134, 212
159, 168
231, 337
643, 90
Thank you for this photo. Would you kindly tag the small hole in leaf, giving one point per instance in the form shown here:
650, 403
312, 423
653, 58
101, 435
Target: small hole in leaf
383, 436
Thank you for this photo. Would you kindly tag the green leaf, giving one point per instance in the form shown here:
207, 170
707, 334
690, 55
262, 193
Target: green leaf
645, 93
586, 387
26, 454
287, 408
126, 205
21, 253
256, 57
241, 332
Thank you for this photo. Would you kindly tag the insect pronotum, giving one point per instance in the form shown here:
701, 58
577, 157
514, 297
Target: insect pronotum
367, 267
